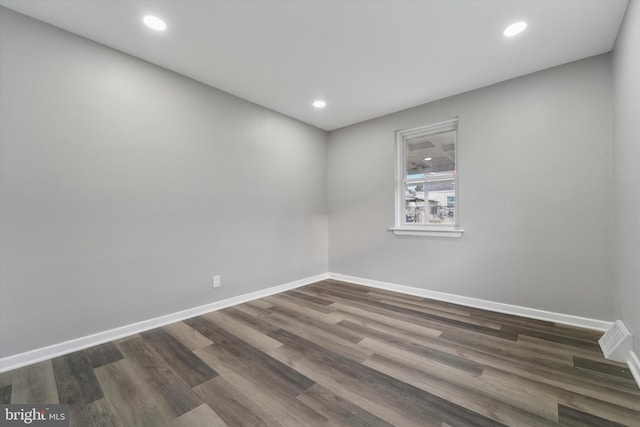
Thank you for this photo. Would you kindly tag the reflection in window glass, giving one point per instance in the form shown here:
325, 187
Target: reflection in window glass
414, 204
430, 178
441, 199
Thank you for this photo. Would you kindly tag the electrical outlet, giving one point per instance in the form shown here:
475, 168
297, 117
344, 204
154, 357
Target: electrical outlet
216, 281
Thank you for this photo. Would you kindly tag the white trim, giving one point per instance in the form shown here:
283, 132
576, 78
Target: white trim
634, 366
401, 228
533, 313
44, 353
439, 127
428, 232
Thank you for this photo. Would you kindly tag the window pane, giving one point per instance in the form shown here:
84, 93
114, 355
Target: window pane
414, 204
441, 199
430, 154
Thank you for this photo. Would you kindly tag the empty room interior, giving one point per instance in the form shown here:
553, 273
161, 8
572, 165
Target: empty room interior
320, 213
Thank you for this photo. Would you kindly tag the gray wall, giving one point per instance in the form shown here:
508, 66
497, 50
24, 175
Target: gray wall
626, 131
125, 187
535, 170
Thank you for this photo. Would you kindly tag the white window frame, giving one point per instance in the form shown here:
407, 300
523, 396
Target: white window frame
401, 228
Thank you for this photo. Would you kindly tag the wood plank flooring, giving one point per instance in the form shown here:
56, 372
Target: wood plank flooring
337, 354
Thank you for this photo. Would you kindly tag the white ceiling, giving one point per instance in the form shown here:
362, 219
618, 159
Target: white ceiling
365, 58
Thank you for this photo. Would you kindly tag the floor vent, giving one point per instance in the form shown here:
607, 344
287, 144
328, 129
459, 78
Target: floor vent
617, 342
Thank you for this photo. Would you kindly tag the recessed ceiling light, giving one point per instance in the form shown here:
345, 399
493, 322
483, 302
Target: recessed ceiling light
319, 103
426, 159
515, 28
154, 23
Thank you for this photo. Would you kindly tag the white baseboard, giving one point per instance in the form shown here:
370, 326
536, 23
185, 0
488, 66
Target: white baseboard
565, 319
44, 353
533, 313
634, 366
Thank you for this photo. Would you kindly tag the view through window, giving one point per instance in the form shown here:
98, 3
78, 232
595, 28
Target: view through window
427, 156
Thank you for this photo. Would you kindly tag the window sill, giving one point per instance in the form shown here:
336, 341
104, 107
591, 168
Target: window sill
428, 232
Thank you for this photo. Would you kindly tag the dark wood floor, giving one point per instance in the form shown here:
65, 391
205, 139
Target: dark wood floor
339, 354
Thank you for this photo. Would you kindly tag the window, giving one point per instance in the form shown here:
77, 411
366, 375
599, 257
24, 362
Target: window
427, 182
